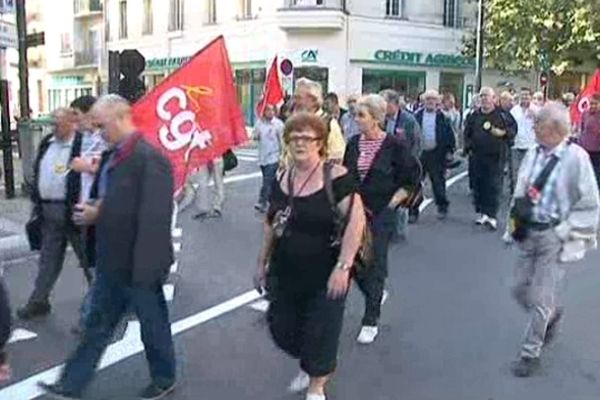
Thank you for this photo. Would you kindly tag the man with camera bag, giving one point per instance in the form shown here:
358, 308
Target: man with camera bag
554, 220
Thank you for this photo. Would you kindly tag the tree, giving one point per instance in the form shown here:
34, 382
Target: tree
539, 34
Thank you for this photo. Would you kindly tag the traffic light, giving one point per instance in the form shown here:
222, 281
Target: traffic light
131, 65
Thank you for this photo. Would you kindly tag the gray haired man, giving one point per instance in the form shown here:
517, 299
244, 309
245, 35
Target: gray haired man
562, 225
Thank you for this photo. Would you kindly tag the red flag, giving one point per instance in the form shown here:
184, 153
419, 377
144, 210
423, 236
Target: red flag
582, 103
273, 91
193, 116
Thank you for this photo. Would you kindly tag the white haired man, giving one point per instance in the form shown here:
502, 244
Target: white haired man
308, 97
555, 214
489, 132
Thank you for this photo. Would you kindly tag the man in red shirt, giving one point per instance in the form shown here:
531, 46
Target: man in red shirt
590, 133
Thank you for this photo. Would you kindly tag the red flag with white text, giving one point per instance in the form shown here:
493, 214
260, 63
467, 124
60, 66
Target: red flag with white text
582, 103
273, 90
193, 116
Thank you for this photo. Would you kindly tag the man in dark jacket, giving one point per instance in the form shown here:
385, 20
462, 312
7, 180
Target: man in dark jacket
56, 189
133, 253
437, 143
489, 133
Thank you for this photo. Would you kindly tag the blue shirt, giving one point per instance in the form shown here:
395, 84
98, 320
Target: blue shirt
429, 125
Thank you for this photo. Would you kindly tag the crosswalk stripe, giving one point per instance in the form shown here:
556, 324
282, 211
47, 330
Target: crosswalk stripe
20, 335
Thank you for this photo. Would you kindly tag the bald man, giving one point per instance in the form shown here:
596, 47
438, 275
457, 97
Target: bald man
489, 133
133, 253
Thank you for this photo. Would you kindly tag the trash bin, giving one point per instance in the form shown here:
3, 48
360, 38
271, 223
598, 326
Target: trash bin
31, 133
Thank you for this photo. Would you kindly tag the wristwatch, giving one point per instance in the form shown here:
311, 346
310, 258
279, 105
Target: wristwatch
344, 266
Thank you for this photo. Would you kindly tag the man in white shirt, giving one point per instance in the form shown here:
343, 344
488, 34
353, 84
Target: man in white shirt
524, 113
268, 132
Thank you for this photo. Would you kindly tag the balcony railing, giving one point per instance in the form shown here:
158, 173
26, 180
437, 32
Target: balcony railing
312, 14
86, 58
87, 7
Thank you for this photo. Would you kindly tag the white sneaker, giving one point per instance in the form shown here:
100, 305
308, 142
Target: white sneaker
481, 219
385, 296
299, 383
367, 334
312, 396
491, 223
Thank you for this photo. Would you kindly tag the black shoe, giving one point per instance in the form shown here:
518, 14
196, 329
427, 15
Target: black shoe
154, 392
55, 391
202, 215
552, 328
33, 310
524, 367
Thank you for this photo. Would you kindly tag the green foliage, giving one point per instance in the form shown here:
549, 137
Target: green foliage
539, 34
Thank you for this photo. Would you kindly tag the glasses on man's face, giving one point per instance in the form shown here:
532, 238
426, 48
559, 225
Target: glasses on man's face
303, 139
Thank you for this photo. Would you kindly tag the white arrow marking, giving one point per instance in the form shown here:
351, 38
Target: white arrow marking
260, 306
19, 335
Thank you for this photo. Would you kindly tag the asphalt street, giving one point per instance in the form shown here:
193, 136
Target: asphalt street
449, 329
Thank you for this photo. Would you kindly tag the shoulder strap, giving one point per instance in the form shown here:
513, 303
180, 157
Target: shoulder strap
541, 180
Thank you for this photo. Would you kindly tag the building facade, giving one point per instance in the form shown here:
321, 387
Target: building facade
74, 47
350, 46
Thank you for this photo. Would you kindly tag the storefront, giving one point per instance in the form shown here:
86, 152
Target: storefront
63, 89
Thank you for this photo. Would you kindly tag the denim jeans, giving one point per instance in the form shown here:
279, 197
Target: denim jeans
110, 299
269, 174
371, 280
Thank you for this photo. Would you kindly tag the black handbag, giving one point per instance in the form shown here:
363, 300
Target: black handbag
33, 229
230, 161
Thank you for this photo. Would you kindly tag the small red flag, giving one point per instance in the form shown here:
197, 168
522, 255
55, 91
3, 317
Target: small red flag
582, 103
193, 116
273, 91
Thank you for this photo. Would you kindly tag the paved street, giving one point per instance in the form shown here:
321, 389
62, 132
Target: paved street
449, 328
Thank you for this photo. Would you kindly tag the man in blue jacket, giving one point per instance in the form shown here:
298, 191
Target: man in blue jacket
437, 142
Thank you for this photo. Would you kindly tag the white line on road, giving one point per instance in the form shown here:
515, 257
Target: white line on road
174, 267
177, 247
169, 291
20, 335
247, 158
244, 177
129, 346
177, 233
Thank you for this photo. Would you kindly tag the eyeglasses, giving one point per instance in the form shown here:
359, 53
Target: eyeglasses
305, 139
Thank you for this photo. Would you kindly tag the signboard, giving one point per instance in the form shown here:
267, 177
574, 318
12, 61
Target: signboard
7, 6
36, 39
310, 56
162, 64
8, 35
424, 59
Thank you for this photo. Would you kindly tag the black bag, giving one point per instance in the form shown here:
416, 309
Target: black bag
230, 161
521, 213
33, 229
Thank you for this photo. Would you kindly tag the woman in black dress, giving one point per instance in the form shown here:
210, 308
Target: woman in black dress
387, 172
306, 274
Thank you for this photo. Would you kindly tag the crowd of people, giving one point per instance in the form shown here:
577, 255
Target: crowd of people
339, 186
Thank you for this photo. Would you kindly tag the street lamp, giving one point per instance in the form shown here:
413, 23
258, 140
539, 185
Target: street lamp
480, 47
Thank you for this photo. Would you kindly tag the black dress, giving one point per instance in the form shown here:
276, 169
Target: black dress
303, 321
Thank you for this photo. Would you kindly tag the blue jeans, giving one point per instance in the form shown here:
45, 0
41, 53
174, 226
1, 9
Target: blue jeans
269, 173
110, 299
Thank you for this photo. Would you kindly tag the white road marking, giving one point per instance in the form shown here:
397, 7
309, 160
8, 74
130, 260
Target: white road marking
247, 153
130, 345
174, 267
247, 158
177, 247
177, 233
261, 306
20, 335
244, 177
169, 291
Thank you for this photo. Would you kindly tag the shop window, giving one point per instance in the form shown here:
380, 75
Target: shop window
148, 23
152, 80
123, 19
176, 15
316, 74
408, 83
249, 84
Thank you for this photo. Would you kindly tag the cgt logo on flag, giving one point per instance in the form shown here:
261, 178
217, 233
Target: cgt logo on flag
582, 104
180, 128
193, 116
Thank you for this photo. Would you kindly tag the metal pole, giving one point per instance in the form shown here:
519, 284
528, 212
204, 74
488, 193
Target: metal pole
480, 48
23, 63
9, 175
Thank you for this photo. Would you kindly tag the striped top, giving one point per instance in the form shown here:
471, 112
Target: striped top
368, 149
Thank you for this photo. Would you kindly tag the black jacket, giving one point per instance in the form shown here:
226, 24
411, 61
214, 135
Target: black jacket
133, 231
73, 178
444, 135
478, 136
393, 168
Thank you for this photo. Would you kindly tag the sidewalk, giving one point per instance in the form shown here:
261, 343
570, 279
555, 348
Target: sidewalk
14, 213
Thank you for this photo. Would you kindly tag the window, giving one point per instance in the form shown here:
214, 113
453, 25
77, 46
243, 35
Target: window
66, 46
123, 19
245, 9
308, 2
394, 8
212, 11
451, 13
176, 15
148, 25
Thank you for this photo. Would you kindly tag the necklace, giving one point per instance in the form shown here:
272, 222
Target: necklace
303, 186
